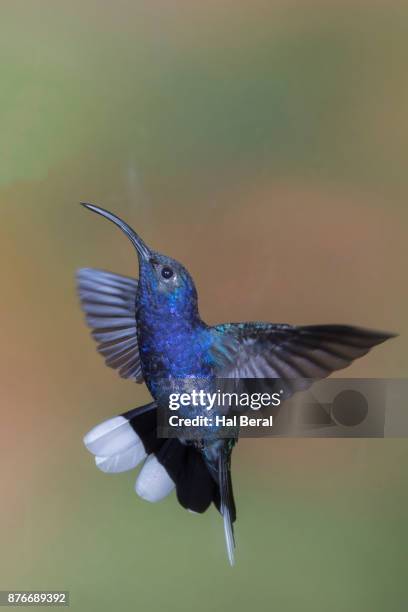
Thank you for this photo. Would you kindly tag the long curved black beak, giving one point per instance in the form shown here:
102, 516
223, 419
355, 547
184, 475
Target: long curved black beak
137, 242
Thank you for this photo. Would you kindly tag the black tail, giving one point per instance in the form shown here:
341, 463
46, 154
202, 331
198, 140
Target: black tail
195, 486
123, 442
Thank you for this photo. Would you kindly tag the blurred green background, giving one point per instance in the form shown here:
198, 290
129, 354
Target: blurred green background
264, 144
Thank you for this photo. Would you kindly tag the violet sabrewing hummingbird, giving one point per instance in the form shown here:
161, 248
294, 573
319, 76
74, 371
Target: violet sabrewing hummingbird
150, 330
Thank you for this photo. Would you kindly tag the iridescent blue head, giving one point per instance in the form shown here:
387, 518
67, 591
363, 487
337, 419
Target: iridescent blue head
164, 283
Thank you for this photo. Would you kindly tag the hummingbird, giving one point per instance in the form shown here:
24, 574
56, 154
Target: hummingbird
150, 331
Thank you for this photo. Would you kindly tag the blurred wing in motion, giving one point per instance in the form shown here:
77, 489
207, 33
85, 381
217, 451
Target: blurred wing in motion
108, 301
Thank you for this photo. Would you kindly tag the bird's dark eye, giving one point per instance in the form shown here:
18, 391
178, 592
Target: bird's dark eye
167, 272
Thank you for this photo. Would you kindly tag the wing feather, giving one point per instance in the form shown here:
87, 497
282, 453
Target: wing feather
298, 355
109, 302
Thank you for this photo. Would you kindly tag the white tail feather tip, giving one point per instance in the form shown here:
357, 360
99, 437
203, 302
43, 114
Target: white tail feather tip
111, 437
153, 482
121, 462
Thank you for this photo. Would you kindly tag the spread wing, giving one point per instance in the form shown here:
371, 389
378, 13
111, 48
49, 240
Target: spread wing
299, 355
108, 301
